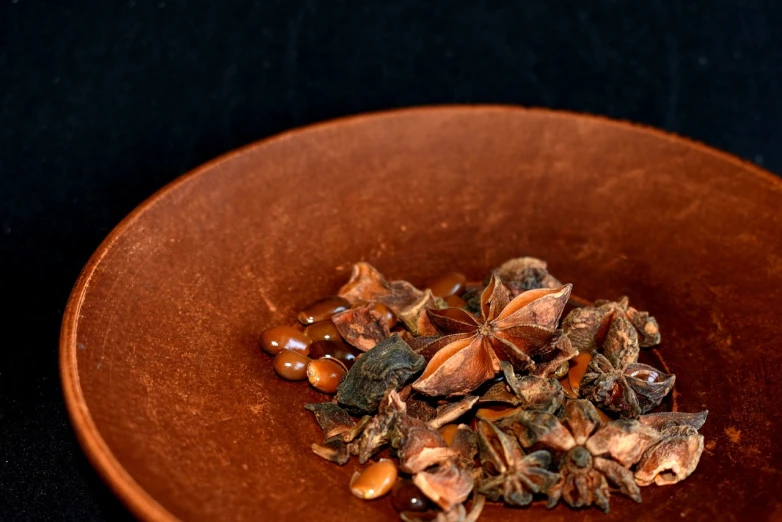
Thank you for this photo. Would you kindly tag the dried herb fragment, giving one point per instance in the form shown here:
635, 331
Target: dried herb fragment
447, 485
669, 419
522, 331
586, 327
617, 382
377, 432
511, 475
334, 450
672, 459
453, 410
529, 391
419, 446
332, 419
362, 327
387, 366
526, 273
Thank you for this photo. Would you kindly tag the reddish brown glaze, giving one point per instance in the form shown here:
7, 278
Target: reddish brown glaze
183, 415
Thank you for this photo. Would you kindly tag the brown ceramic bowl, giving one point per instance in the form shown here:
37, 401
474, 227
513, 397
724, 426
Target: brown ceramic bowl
182, 414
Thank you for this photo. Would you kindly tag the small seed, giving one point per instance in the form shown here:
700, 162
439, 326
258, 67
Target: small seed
448, 432
325, 374
407, 497
279, 338
338, 350
291, 365
322, 309
451, 283
386, 314
323, 331
454, 301
375, 481
578, 367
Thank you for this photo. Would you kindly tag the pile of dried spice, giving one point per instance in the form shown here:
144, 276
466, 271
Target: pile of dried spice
478, 391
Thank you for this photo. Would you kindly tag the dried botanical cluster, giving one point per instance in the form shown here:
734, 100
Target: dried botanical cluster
459, 387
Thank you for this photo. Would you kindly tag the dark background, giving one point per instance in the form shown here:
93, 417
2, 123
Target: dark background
102, 103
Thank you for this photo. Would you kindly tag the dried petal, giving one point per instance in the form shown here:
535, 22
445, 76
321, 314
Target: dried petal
333, 450
458, 368
621, 344
452, 411
649, 384
362, 327
412, 312
648, 329
624, 440
663, 420
332, 419
618, 476
387, 366
465, 442
533, 428
582, 419
446, 485
672, 459
365, 285
419, 446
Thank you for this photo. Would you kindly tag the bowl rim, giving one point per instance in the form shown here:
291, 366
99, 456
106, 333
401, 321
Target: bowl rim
140, 503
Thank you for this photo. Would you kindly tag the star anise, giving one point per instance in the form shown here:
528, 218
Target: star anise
522, 331
616, 381
591, 454
678, 452
511, 475
528, 391
587, 327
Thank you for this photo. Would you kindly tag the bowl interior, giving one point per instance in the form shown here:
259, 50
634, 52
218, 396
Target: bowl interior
183, 415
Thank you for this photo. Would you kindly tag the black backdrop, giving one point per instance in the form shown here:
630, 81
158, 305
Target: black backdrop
103, 102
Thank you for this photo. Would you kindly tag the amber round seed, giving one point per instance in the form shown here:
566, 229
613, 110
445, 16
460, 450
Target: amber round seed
338, 350
407, 497
386, 314
325, 374
278, 338
578, 367
323, 331
451, 283
322, 309
448, 432
291, 365
454, 301
375, 481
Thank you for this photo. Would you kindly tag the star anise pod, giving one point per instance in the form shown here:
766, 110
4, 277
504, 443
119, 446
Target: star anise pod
678, 452
615, 380
528, 391
591, 454
511, 475
522, 331
587, 327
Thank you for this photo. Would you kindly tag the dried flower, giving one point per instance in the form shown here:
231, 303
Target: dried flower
419, 446
511, 475
377, 432
332, 419
587, 327
447, 485
591, 454
387, 366
522, 330
617, 382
